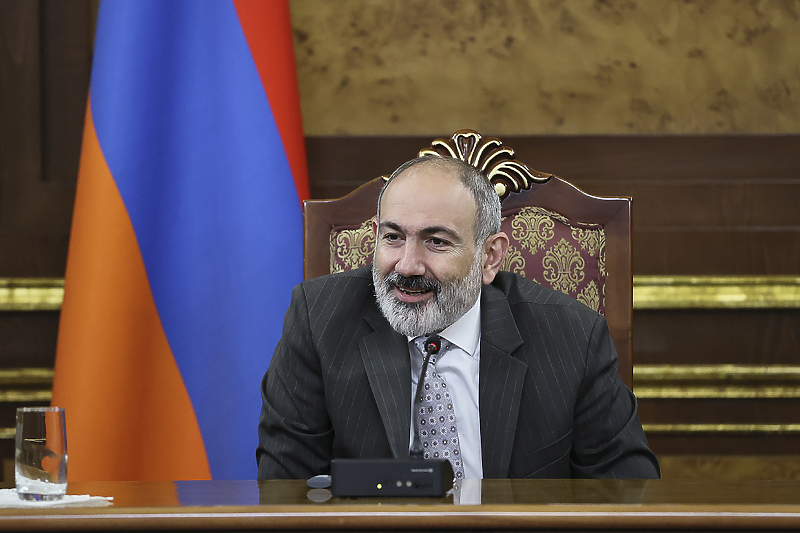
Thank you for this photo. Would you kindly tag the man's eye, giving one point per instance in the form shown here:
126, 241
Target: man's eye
391, 237
438, 242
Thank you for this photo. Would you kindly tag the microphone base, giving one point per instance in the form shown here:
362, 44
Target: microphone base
391, 477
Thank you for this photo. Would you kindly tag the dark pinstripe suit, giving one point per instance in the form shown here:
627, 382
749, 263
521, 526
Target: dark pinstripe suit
552, 404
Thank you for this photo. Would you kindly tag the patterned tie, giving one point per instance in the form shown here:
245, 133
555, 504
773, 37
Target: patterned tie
436, 418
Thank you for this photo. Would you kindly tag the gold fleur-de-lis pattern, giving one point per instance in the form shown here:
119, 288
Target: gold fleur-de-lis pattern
514, 262
531, 229
590, 296
563, 267
545, 247
594, 242
565, 255
352, 247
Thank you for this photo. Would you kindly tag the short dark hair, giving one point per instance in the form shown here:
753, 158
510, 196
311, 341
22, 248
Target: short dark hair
487, 215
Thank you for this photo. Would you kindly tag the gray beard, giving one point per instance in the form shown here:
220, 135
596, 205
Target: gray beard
451, 299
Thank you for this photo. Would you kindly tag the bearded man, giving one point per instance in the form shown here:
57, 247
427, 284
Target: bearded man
526, 383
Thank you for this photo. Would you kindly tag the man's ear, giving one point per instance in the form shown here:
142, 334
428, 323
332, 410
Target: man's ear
494, 252
375, 227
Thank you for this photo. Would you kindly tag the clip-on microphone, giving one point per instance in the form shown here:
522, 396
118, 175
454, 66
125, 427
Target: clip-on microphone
397, 477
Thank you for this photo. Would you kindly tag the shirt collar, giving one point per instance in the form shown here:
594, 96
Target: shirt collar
466, 331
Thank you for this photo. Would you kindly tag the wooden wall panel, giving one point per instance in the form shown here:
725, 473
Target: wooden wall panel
765, 411
586, 159
66, 50
777, 467
717, 336
713, 204
742, 251
722, 444
28, 338
706, 204
45, 55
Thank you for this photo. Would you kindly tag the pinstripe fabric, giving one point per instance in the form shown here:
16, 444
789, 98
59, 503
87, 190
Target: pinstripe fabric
552, 403
390, 382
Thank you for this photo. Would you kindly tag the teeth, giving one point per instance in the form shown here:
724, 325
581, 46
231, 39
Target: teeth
406, 291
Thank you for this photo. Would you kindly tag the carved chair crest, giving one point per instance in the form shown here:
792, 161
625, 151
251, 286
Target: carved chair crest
495, 161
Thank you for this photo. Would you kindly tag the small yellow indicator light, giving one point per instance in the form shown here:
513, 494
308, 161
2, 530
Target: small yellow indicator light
380, 486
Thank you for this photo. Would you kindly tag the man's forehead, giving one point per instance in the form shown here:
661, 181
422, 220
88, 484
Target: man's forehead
429, 200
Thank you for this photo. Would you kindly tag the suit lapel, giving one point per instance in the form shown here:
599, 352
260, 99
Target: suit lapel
388, 365
500, 382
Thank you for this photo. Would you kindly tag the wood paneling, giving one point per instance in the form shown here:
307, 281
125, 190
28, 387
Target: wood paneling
723, 444
723, 427
756, 251
779, 467
714, 336
45, 55
28, 338
66, 51
720, 411
590, 160
714, 204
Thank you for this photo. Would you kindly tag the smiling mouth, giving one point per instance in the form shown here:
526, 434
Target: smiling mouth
411, 292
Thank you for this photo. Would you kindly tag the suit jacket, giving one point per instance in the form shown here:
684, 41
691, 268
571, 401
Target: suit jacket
552, 404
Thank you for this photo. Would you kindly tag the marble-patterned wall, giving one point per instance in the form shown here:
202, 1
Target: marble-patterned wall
506, 67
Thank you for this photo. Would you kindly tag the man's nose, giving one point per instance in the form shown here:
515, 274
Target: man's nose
410, 263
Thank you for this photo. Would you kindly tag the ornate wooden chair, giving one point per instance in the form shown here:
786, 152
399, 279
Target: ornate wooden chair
560, 236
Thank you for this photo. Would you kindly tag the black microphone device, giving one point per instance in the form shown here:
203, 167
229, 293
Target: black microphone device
390, 477
396, 477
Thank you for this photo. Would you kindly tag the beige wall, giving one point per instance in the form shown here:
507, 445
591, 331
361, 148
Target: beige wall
555, 66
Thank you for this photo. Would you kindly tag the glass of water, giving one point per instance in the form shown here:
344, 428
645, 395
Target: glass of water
40, 456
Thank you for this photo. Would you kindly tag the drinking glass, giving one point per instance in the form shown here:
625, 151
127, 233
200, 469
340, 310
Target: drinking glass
40, 456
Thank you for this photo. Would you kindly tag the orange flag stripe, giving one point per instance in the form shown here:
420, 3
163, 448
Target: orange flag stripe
111, 341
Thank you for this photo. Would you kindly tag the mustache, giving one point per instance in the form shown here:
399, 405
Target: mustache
413, 283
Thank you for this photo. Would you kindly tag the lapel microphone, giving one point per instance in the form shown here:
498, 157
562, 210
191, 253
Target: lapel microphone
414, 476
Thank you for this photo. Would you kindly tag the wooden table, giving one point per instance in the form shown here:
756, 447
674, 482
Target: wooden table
539, 505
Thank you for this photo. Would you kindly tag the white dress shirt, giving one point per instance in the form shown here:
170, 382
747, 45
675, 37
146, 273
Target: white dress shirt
459, 367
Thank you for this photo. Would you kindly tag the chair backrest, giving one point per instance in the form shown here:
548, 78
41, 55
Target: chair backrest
560, 236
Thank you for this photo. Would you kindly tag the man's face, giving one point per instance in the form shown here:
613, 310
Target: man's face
427, 269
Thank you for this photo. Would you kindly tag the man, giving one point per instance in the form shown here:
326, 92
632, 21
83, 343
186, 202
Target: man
529, 374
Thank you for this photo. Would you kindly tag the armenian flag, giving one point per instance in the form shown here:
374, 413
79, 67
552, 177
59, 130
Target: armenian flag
186, 238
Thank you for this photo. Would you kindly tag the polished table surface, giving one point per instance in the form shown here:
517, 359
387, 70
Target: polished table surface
487, 505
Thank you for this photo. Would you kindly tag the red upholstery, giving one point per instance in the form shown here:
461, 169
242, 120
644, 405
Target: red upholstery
545, 246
